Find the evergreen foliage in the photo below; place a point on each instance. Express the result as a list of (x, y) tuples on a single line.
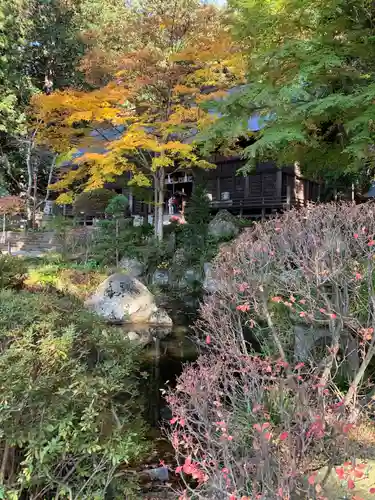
[(198, 209), (69, 393), (310, 81)]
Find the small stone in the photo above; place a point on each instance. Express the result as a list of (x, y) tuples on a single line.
[(134, 337), (132, 267), (158, 474), (161, 277), (210, 285), (160, 317)]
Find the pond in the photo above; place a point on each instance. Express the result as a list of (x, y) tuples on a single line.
[(163, 361)]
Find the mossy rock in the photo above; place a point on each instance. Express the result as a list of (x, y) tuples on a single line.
[(79, 283)]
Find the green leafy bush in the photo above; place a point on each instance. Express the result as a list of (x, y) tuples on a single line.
[(119, 237), (70, 412), (12, 271), (117, 206)]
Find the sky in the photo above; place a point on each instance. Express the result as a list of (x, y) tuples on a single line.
[(217, 2)]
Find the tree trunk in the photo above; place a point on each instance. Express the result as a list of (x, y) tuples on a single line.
[(117, 242), (156, 191), (30, 203), (159, 203), (3, 237)]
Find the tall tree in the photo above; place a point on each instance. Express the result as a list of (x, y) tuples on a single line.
[(182, 56), (311, 81), (55, 43), (41, 46), (15, 87)]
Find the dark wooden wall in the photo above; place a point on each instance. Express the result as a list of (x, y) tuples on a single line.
[(267, 181)]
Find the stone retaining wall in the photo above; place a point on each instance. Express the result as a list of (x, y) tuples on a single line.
[(33, 241)]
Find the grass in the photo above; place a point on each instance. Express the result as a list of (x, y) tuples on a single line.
[(53, 273)]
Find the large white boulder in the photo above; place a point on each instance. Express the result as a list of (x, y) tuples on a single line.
[(122, 298)]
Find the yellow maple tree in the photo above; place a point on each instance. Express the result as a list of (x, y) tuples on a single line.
[(186, 56)]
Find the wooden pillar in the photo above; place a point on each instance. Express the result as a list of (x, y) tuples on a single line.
[(279, 183), (218, 190), (288, 194), (247, 186)]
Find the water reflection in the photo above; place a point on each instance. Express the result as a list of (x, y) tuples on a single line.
[(164, 355)]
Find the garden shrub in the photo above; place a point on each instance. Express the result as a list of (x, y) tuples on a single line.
[(199, 207), (192, 239), (247, 424), (117, 206), (79, 283), (248, 427), (119, 237), (12, 271), (70, 412)]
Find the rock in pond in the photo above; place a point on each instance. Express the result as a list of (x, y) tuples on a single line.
[(123, 299), (161, 277), (145, 334), (210, 284), (132, 267), (223, 225)]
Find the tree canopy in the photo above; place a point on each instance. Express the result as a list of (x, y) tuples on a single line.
[(150, 73), (310, 80), (181, 55)]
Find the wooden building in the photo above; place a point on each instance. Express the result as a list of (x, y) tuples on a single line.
[(266, 191)]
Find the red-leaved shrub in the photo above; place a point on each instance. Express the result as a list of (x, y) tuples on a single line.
[(287, 340)]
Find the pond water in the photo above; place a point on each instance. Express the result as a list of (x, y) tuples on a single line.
[(163, 361)]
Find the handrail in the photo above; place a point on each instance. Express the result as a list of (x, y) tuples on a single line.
[(260, 201)]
